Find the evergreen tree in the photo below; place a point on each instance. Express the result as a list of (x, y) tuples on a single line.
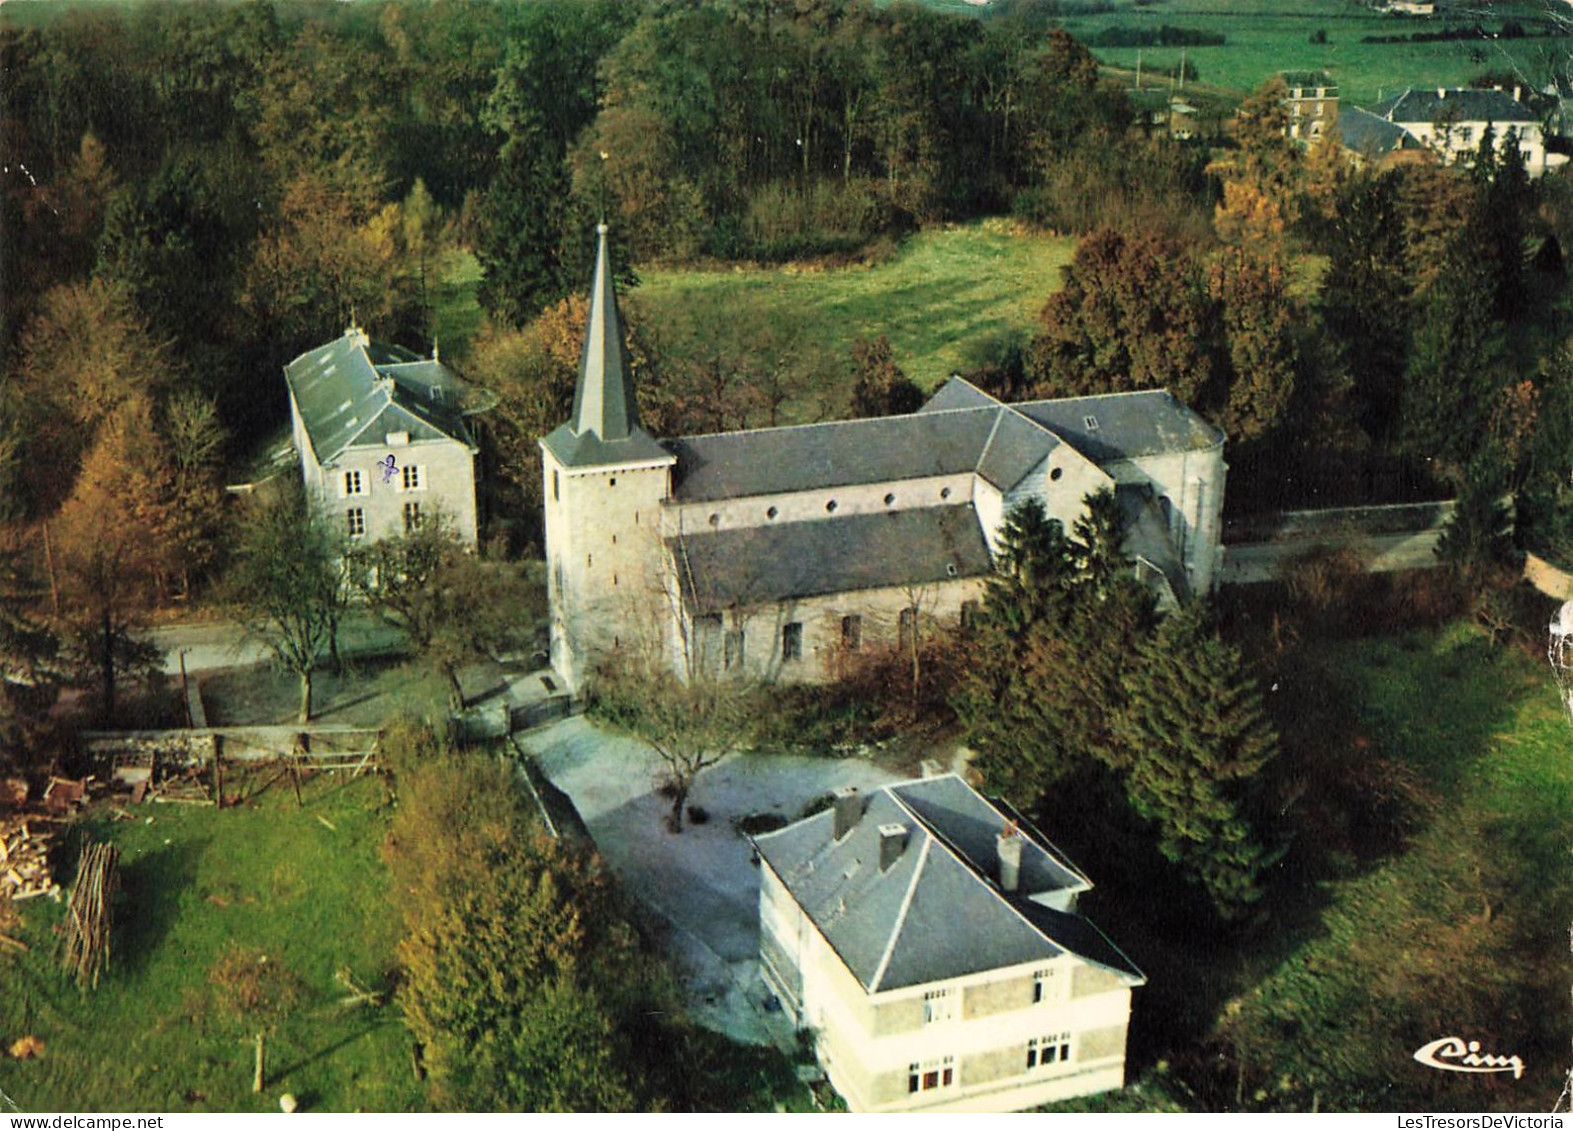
[(1200, 740), (30, 671), (1476, 541), (1365, 298), (879, 387), (522, 242), (1452, 380)]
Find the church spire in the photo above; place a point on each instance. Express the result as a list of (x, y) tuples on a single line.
[(603, 401)]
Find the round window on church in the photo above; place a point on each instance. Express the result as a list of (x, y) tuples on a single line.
[(772, 512), (1056, 473), (831, 506), (715, 520), (889, 499), (944, 492)]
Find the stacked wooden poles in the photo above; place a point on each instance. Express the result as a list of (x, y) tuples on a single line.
[(87, 924)]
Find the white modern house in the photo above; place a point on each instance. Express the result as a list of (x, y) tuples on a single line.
[(1451, 122), (930, 943)]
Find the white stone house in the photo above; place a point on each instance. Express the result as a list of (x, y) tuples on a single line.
[(930, 943), (779, 552), (1451, 122), (382, 439)]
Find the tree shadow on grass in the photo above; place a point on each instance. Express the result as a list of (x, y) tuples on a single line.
[(305, 1060), (149, 902)]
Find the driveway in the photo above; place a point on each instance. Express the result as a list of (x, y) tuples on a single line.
[(702, 881)]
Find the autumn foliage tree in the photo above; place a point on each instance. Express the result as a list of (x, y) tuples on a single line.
[(520, 974), (1134, 313)]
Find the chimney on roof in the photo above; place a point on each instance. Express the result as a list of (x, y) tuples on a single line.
[(1518, 94), (1008, 845), (1441, 92), (892, 842), (847, 807)]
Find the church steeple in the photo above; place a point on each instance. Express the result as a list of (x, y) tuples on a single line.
[(603, 402)]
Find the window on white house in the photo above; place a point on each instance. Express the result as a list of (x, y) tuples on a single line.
[(852, 632), (970, 611), (939, 1006), (412, 517), (733, 656), (353, 484), (791, 641), (1048, 985), (557, 490), (1044, 1051), (414, 480), (926, 1075), (356, 519), (906, 628)]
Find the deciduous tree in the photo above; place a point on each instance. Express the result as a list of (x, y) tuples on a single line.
[(289, 584)]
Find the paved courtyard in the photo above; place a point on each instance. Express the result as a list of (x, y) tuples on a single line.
[(703, 881)]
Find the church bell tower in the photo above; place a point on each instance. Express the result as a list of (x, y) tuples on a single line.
[(605, 480)]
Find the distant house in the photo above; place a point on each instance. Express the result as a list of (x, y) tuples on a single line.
[(932, 946), (1451, 122), (1312, 102), (382, 438)]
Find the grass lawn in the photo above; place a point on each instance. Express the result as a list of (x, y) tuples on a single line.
[(370, 691), (1461, 930), (197, 884), (1264, 38), (945, 290)]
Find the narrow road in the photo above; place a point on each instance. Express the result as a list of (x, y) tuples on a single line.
[(225, 644), (1260, 561)]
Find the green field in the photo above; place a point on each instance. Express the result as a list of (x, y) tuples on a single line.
[(1264, 39), (946, 290), (272, 879)]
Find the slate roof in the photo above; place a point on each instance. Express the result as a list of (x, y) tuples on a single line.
[(1370, 135), (769, 461), (937, 913), (1119, 426), (1460, 105), (604, 428), (354, 388), (836, 554)]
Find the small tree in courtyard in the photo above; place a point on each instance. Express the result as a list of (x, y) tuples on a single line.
[(691, 724), (453, 606), (289, 586)]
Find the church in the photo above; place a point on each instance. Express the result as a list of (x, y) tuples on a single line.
[(781, 553)]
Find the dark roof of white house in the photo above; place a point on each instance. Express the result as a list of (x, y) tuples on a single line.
[(354, 391), (1370, 135), (1434, 105), (937, 912), (784, 561)]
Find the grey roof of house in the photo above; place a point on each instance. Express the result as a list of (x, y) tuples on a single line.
[(836, 554), (1119, 426), (354, 390), (1461, 105), (937, 913), (604, 428), (1368, 134), (769, 461)]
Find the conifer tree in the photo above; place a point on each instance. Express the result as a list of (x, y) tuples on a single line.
[(1199, 739)]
